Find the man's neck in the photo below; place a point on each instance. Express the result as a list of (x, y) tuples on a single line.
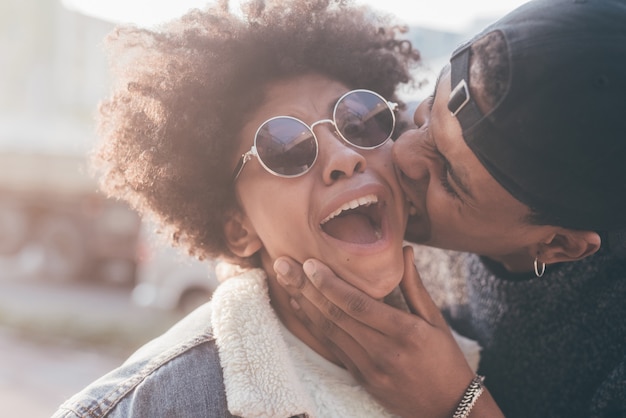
[(515, 263)]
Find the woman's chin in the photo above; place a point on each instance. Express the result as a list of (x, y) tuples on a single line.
[(375, 285)]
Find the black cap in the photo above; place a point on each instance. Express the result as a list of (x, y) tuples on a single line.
[(556, 140)]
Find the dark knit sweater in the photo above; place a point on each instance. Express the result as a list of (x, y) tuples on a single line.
[(553, 346)]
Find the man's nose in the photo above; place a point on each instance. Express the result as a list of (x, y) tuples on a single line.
[(408, 155), (422, 112)]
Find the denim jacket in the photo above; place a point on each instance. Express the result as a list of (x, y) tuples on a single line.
[(176, 375)]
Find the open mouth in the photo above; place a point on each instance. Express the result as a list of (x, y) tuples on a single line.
[(357, 221)]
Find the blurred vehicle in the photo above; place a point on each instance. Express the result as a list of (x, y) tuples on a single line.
[(168, 279), (55, 225)]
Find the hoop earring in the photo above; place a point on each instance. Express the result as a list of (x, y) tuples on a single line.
[(540, 268)]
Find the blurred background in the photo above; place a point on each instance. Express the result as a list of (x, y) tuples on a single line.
[(83, 282)]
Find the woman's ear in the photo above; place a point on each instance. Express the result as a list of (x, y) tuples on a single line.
[(241, 237), (569, 245)]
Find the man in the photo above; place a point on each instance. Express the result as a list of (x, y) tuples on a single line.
[(518, 163)]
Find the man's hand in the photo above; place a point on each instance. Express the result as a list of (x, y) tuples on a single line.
[(409, 362)]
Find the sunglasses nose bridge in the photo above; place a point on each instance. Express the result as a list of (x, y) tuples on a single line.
[(320, 122), (329, 121)]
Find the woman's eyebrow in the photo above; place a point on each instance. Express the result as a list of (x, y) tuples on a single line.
[(331, 106)]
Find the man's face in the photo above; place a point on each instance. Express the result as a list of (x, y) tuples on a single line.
[(460, 206)]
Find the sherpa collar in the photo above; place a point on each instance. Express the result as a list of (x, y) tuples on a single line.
[(263, 376)]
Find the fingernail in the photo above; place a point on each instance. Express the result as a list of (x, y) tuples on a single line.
[(282, 267), (309, 268), (294, 304)]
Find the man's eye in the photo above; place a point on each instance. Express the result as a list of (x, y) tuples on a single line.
[(445, 183), (443, 179)]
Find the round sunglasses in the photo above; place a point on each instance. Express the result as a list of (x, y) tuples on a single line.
[(288, 147)]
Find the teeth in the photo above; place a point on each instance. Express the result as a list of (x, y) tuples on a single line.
[(353, 204)]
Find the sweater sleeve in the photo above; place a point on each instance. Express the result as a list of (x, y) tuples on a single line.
[(610, 398)]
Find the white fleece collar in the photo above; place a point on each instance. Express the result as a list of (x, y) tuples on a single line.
[(263, 375)]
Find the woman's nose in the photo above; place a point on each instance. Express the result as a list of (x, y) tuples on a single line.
[(339, 159)]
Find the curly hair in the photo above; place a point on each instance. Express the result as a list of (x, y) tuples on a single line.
[(489, 71), (184, 90)]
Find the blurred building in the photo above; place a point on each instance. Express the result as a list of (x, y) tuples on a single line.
[(54, 224), (52, 74)]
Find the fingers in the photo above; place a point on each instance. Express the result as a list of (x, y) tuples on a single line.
[(328, 301), (317, 314), (292, 277), (417, 298), (289, 272), (337, 308)]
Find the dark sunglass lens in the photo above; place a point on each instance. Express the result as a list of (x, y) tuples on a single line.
[(364, 119), (286, 146)]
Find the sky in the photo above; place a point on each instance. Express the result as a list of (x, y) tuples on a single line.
[(451, 15)]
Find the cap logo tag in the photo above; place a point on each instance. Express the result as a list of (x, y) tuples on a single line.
[(459, 97)]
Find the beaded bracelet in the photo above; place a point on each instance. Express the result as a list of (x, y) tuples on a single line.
[(471, 395)]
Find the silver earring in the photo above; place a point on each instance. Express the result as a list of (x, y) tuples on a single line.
[(540, 268)]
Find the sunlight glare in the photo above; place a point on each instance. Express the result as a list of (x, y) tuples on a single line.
[(451, 15)]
